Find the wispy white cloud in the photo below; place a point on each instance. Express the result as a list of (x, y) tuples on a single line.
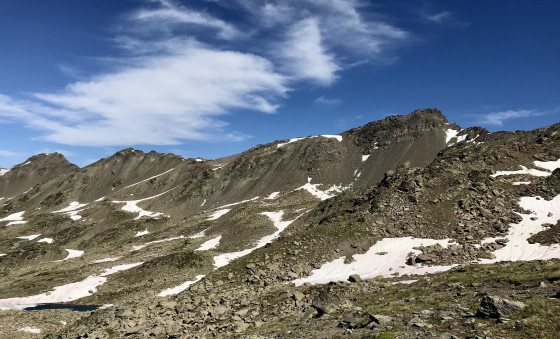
[(158, 100), (304, 56), (172, 87), (327, 101), (498, 118), (170, 13), (342, 24), (444, 18)]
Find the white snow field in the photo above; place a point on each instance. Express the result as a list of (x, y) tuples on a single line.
[(150, 178), (272, 196), (141, 233), (372, 264), (14, 219), (210, 244), (180, 288), (72, 210), (132, 207), (321, 194), (198, 235), (30, 330), (276, 217), (288, 142), (46, 240), (29, 237), (337, 137), (548, 166), (217, 214), (65, 293), (3, 171), (365, 157), (517, 183), (518, 248), (523, 170), (71, 255)]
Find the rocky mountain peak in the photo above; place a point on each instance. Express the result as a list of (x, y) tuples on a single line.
[(37, 169)]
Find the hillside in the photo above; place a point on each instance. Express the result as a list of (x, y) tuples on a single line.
[(396, 228)]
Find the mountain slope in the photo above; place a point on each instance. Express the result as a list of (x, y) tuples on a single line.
[(406, 195)]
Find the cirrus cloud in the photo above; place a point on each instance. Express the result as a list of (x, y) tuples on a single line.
[(176, 86)]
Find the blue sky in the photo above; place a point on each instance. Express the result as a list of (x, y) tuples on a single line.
[(213, 78)]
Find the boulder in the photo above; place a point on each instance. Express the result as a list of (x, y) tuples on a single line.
[(496, 307), (325, 302), (354, 278)]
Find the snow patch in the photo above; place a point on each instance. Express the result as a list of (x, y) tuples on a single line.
[(365, 157), (72, 210), (14, 217), (210, 244), (204, 202), (29, 237), (450, 134), (65, 293), (518, 248), (3, 171), (217, 214), (405, 282), (372, 264), (131, 206), (523, 170), (71, 255), (30, 330), (198, 235), (337, 137), (47, 240), (276, 218), (74, 205), (288, 142), (272, 196), (517, 183), (548, 165), (144, 232), (180, 288), (150, 178), (323, 195), (16, 223), (217, 167)]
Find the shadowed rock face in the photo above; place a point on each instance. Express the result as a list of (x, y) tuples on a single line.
[(234, 231)]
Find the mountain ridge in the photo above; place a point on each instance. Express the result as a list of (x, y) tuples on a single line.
[(228, 241)]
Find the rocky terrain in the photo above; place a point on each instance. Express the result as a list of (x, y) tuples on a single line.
[(408, 227)]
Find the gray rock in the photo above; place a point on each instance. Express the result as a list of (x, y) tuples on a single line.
[(378, 320), (325, 302), (354, 278), (496, 307)]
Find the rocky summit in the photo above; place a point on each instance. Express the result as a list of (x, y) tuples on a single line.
[(408, 227)]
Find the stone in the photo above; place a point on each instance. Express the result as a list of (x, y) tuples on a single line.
[(354, 278), (496, 307), (325, 303), (298, 296), (378, 320)]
